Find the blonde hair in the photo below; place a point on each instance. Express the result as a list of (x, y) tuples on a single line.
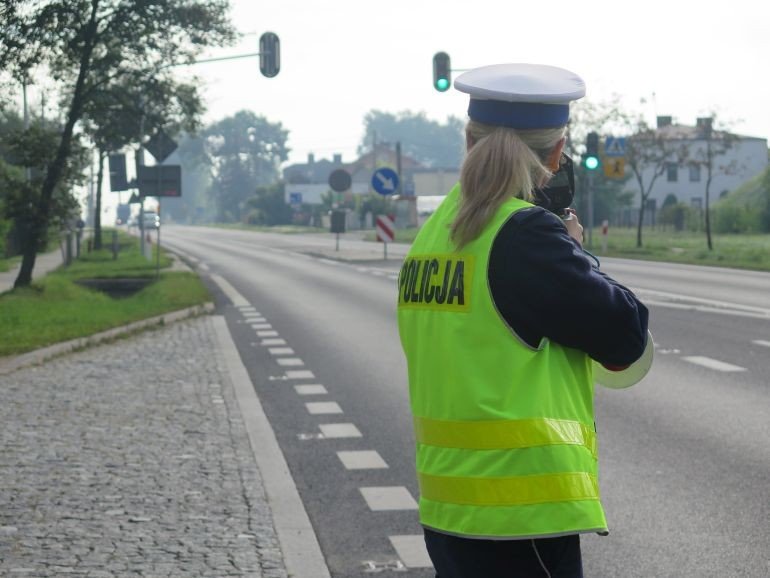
[(501, 163)]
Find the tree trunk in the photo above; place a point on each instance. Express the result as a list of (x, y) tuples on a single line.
[(56, 168), (639, 224), (98, 209), (708, 218)]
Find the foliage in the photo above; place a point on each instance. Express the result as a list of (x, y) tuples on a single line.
[(430, 143), (27, 154), (245, 150), (87, 45), (747, 209), (268, 207)]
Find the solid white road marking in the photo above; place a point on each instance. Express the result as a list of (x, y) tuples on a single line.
[(290, 361), (273, 342), (761, 342), (300, 374), (310, 389), (267, 334), (281, 351), (388, 498), (323, 407), (411, 550), (713, 363), (236, 298), (203, 267), (362, 460), (339, 430)]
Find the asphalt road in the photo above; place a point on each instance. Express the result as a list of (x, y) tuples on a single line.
[(685, 461)]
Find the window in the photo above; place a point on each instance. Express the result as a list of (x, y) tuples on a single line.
[(672, 172), (696, 202), (694, 173)]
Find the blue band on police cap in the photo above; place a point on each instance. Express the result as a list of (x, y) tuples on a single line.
[(523, 115)]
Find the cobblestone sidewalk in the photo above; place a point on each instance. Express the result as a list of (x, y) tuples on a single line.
[(131, 459)]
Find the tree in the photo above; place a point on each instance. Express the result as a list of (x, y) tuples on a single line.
[(718, 142), (245, 149), (27, 154), (87, 44), (121, 112), (430, 143), (648, 154)]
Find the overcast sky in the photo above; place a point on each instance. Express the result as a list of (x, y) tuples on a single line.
[(342, 58)]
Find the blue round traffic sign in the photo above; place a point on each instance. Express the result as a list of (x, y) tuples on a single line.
[(385, 181)]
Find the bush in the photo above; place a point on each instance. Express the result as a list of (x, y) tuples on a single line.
[(735, 219)]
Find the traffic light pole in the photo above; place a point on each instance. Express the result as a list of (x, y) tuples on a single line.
[(590, 222)]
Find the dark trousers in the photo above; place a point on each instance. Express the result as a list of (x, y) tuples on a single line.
[(455, 557)]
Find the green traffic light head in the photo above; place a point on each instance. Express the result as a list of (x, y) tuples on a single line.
[(592, 163), (442, 84)]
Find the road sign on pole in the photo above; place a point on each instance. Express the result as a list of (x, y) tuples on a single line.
[(615, 167), (159, 180), (614, 147), (340, 180), (385, 181), (161, 145), (386, 232)]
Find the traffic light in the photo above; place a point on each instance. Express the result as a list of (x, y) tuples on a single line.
[(269, 54), (591, 160), (442, 72)]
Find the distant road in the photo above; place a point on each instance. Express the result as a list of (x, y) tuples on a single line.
[(685, 459)]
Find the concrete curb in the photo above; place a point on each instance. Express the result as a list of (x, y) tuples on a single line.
[(301, 551), (11, 364)]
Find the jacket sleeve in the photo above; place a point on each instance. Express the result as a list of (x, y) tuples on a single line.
[(544, 285)]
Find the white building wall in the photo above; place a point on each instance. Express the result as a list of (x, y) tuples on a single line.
[(749, 156)]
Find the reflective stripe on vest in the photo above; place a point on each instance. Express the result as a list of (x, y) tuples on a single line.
[(503, 434), (519, 490)]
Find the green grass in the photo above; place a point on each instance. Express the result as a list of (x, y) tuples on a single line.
[(7, 264), (737, 251), (57, 309)]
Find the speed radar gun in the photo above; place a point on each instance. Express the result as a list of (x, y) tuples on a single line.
[(621, 378)]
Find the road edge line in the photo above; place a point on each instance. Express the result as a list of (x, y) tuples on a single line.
[(299, 543)]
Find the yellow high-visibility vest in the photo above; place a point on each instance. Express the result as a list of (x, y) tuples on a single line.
[(506, 443)]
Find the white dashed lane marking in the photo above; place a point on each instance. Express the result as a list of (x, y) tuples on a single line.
[(714, 364), (281, 351), (261, 326), (761, 342), (267, 342), (362, 460), (267, 334), (290, 361), (300, 374), (310, 389), (411, 550), (339, 430), (323, 407), (388, 498)]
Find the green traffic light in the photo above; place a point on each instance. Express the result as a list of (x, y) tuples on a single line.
[(592, 163), (442, 84)]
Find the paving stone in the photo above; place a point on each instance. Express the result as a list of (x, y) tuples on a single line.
[(114, 461)]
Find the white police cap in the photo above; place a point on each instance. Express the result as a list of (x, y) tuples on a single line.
[(523, 96)]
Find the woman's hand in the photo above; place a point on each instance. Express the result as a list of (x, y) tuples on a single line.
[(574, 228)]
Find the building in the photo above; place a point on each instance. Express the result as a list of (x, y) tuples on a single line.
[(685, 179), (307, 182)]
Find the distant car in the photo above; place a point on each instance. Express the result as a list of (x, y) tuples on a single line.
[(151, 220)]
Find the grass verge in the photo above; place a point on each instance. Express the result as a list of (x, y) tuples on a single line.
[(736, 251), (57, 309)]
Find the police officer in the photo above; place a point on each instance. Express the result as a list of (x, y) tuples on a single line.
[(501, 316)]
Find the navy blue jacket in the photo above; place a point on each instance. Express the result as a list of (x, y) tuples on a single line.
[(544, 285)]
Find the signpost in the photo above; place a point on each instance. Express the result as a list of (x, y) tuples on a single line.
[(385, 181), (615, 163), (386, 232)]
